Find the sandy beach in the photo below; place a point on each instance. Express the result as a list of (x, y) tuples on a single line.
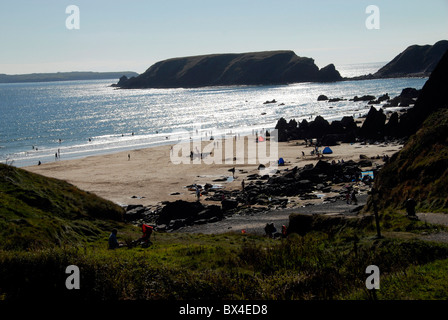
[(150, 176)]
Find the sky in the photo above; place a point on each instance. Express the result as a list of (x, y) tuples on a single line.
[(132, 35)]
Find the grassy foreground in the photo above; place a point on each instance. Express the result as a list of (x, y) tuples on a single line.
[(47, 225), (232, 266)]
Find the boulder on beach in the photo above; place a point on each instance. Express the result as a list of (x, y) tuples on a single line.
[(229, 204), (179, 209)]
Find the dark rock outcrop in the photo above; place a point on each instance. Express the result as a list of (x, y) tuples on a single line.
[(322, 97), (256, 68), (363, 98), (339, 130), (303, 181), (373, 126), (329, 73), (391, 127), (178, 214), (180, 210)]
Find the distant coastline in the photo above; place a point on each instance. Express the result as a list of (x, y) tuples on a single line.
[(63, 76)]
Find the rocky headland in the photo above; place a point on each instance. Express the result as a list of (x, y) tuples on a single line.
[(254, 68), (414, 61)]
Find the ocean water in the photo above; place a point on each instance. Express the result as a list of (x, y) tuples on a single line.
[(359, 69), (82, 118)]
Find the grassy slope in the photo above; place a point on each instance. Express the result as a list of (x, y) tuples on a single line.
[(419, 170), (36, 211)]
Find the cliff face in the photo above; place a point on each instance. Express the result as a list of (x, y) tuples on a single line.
[(420, 169), (414, 61), (431, 98), (257, 68)]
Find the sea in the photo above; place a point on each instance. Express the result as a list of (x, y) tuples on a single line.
[(76, 119)]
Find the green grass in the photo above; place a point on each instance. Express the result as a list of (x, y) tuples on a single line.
[(47, 225), (229, 266), (36, 211), (424, 282), (419, 170)]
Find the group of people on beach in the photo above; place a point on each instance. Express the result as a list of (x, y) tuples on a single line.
[(271, 231)]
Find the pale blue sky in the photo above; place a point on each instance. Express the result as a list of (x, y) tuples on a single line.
[(134, 34)]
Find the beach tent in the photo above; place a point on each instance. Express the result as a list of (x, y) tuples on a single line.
[(367, 173), (281, 162), (327, 150)]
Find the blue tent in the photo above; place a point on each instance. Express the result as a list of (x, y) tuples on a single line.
[(327, 150), (367, 173), (281, 162)]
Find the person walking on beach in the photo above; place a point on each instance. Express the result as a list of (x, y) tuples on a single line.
[(242, 185), (198, 193), (353, 197), (233, 172)]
